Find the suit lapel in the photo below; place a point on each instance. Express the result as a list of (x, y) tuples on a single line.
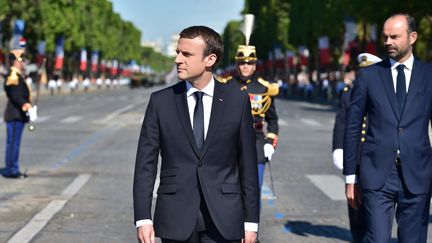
[(183, 112), (414, 84), (387, 80), (216, 114)]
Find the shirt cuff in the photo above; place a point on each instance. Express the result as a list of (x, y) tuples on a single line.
[(142, 222), (251, 227), (350, 179)]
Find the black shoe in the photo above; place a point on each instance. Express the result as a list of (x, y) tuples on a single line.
[(17, 176)]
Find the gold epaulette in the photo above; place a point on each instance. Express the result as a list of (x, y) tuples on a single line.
[(224, 80), (272, 88), (13, 78)]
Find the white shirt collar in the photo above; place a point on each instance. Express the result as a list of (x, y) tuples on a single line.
[(208, 90), (408, 63)]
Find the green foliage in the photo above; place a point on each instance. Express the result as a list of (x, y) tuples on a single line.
[(291, 23), (89, 24), (232, 37), (156, 60)]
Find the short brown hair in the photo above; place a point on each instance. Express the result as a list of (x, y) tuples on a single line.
[(212, 39), (410, 21)]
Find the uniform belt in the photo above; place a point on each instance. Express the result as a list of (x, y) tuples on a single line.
[(258, 125)]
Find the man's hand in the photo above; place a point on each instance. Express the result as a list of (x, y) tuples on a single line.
[(268, 151), (250, 237), (353, 195), (145, 234)]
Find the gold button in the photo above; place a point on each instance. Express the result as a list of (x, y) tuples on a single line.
[(363, 132), (363, 140), (364, 125)]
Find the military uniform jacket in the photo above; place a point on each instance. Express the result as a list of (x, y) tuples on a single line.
[(339, 126), (18, 94), (340, 122), (261, 94)]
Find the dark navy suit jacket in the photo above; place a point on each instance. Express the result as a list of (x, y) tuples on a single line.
[(374, 94), (225, 170)]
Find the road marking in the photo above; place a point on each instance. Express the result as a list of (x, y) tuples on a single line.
[(282, 122), (310, 122), (42, 119), (116, 113), (85, 146), (317, 106), (71, 119), (38, 222), (75, 186), (331, 185)]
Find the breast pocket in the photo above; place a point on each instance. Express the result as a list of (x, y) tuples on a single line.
[(227, 126)]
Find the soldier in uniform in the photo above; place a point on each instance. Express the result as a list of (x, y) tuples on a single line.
[(18, 110), (261, 94), (356, 216)]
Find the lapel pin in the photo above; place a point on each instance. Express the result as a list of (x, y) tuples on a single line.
[(221, 100)]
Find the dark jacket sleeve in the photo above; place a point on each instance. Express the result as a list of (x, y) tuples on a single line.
[(340, 120), (248, 165), (146, 163), (272, 118), (354, 122), (272, 124)]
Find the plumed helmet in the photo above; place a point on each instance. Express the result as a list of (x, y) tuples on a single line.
[(247, 53), (18, 49)]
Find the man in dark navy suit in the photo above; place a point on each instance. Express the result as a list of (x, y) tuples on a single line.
[(396, 159), (203, 131)]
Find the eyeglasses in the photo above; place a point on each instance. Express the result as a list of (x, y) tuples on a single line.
[(246, 63)]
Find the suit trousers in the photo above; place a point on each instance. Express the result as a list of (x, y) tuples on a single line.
[(205, 230), (412, 211)]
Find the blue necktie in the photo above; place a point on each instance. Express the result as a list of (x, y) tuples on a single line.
[(400, 87), (198, 120)]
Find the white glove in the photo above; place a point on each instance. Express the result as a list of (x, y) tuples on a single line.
[(268, 151), (32, 113), (338, 158)]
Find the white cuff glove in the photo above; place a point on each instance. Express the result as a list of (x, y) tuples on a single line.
[(268, 151), (338, 158), (32, 112)]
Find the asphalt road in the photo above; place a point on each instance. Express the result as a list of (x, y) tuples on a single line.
[(81, 158)]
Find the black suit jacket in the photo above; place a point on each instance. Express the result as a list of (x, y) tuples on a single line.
[(18, 94), (374, 94), (225, 169), (340, 120)]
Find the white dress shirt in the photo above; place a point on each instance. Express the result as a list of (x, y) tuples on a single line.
[(207, 104), (351, 179)]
